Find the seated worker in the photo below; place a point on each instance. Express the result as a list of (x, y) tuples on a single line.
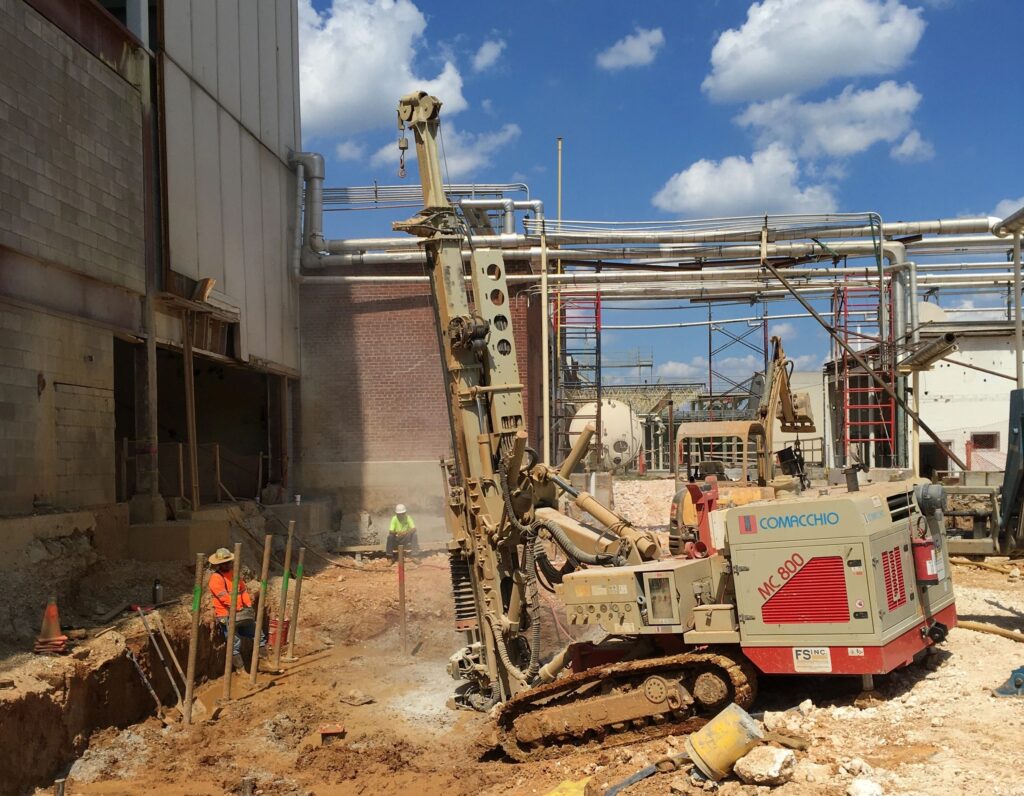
[(220, 596), (402, 531)]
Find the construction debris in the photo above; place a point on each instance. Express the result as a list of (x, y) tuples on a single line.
[(766, 765)]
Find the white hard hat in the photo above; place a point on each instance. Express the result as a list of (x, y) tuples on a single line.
[(400, 508)]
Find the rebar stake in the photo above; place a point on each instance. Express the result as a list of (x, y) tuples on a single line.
[(229, 653), (293, 627), (284, 595), (193, 639), (401, 598), (261, 608)]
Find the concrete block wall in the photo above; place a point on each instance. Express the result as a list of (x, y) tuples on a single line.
[(372, 420), (56, 412), (71, 149)]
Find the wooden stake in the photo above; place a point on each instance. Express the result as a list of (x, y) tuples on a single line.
[(401, 597), (193, 640), (261, 607), (284, 594), (295, 604), (232, 610)]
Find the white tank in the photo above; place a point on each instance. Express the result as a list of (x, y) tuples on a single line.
[(621, 432)]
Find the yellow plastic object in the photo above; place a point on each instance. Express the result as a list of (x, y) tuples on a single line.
[(570, 787), (716, 746)]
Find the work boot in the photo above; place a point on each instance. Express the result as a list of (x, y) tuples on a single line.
[(238, 663)]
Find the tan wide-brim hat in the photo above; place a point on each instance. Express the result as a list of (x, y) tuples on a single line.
[(222, 556)]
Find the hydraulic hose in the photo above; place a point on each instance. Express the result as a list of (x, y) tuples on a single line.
[(570, 548), (531, 540), (506, 661)]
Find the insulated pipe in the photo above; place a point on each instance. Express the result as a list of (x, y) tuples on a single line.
[(296, 258), (915, 378), (347, 253), (1018, 326), (506, 206), (956, 226), (313, 167)]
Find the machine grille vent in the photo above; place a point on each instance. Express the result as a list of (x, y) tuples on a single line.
[(892, 570), (815, 594), (900, 505)]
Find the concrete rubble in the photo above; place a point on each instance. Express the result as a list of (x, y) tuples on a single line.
[(766, 765)]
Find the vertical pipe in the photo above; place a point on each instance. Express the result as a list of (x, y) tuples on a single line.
[(284, 594), (236, 572), (556, 375), (673, 462), (545, 345), (216, 468), (58, 787), (261, 607), (193, 639), (1018, 324), (293, 628), (599, 448), (915, 379), (181, 471), (899, 339), (124, 469), (190, 406), (401, 597)]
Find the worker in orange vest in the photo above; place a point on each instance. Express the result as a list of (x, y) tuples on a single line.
[(220, 596)]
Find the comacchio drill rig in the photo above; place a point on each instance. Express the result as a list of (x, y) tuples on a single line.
[(852, 582)]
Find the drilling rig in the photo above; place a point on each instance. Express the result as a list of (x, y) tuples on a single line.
[(844, 582)]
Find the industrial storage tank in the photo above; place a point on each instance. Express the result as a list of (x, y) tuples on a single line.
[(621, 431)]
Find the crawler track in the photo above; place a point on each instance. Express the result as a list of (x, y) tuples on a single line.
[(589, 687)]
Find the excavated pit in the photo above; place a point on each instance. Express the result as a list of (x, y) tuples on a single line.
[(56, 704)]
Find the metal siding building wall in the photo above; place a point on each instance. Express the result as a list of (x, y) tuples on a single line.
[(231, 119)]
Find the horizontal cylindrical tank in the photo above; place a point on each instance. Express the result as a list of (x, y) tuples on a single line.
[(621, 431)]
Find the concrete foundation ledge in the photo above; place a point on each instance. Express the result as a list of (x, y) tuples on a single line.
[(17, 533), (177, 541)]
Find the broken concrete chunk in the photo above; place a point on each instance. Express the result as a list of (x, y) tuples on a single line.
[(810, 772), (863, 787), (805, 707), (766, 765), (857, 766)]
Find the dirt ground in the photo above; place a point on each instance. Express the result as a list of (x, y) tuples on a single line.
[(932, 729)]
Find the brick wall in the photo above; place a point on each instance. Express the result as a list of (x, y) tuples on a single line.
[(56, 412), (71, 153), (372, 391)]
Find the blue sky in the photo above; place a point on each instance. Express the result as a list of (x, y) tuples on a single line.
[(682, 109)]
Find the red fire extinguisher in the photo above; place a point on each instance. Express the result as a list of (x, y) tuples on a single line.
[(926, 566)]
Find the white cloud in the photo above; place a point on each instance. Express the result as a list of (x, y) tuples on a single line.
[(488, 54), (766, 183), (842, 125), (1007, 207), (808, 361), (464, 153), (356, 60), (673, 370), (349, 150), (969, 310), (487, 105), (913, 149), (784, 330), (636, 49), (789, 46), (737, 369)]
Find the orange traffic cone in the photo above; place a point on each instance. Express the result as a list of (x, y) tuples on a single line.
[(51, 641)]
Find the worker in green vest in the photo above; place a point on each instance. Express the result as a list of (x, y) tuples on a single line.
[(401, 532)]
